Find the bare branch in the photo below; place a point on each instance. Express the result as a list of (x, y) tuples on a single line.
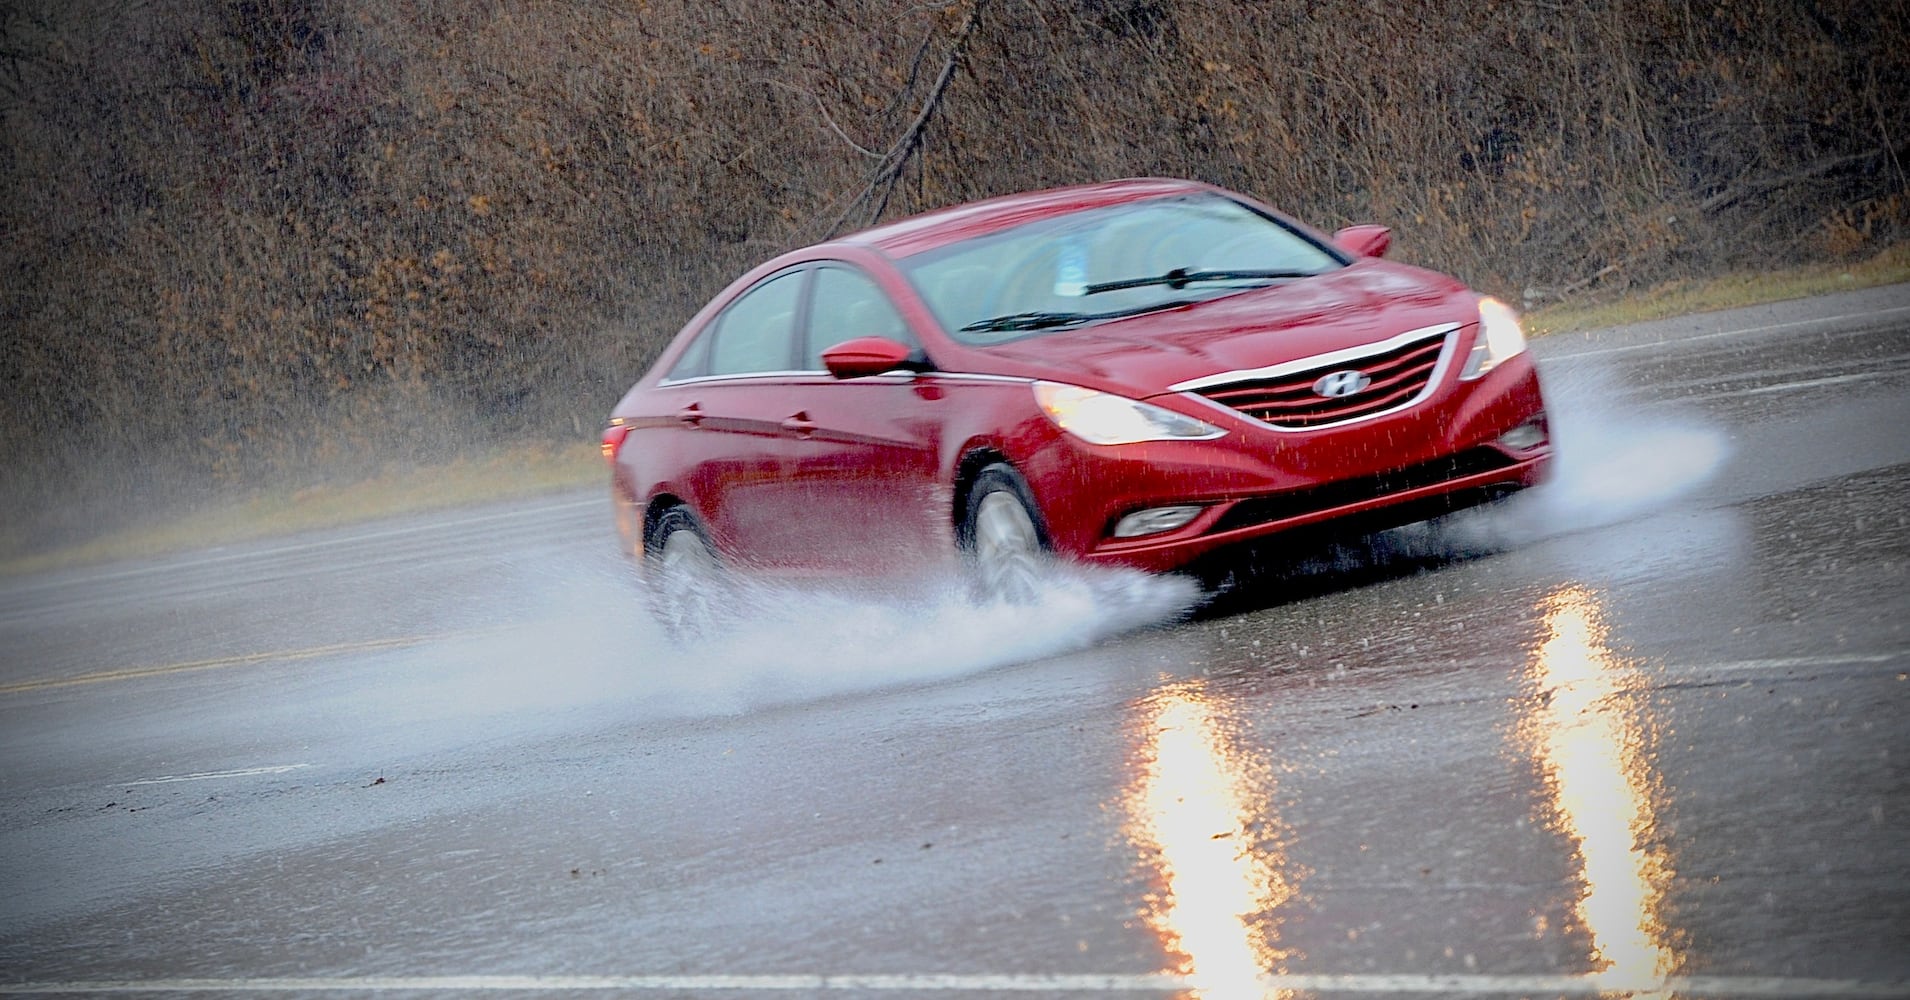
[(915, 72), (1818, 169), (831, 122), (897, 158)]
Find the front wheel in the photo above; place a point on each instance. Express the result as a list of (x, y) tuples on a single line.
[(687, 585), (1002, 538)]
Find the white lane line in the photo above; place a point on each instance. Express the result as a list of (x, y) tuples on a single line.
[(1379, 983), (1671, 669), (418, 529), (215, 557), (244, 772), (1676, 675), (1809, 383), (1789, 663), (1659, 345), (241, 660)]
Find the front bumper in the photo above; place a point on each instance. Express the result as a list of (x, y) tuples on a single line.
[(1474, 443), (1354, 505)]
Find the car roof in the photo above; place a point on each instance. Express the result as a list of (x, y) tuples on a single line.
[(939, 228)]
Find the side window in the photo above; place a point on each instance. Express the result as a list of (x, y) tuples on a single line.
[(847, 304), (696, 359), (755, 333)]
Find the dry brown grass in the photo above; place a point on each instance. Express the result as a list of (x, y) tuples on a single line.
[(1682, 298)]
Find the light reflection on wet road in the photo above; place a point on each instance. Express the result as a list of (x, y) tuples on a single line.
[(1201, 817), (1589, 728), (1643, 736), (1209, 840)]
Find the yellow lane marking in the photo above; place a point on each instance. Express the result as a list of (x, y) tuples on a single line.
[(217, 663)]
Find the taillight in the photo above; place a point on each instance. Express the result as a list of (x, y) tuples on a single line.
[(614, 436)]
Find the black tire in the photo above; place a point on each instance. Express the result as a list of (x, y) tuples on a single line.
[(1003, 540), (684, 580)]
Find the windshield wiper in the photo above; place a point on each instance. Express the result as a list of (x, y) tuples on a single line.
[(1027, 321), (1181, 277)]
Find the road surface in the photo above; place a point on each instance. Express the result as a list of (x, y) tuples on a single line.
[(1641, 730)]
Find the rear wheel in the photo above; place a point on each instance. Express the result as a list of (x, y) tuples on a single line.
[(687, 588), (1002, 537)]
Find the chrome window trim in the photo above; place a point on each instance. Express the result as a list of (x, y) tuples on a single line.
[(977, 377), (729, 377)]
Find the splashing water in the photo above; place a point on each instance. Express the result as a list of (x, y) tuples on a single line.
[(782, 644), (794, 645), (1616, 461)]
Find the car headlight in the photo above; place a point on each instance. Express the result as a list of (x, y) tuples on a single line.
[(1104, 418), (1499, 338)]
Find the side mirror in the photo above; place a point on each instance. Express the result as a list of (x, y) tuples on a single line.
[(1364, 241), (867, 356)]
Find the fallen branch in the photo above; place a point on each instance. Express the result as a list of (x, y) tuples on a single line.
[(1535, 294), (1572, 289), (1725, 198), (897, 158)]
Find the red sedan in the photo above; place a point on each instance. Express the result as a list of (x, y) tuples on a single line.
[(1136, 373)]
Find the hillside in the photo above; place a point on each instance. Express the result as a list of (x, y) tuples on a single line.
[(256, 239)]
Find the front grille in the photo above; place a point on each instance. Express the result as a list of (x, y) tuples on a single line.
[(1400, 376), (1294, 503)]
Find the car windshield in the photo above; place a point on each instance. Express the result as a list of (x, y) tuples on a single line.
[(1106, 263)]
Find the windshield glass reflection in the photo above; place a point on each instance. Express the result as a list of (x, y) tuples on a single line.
[(1118, 260), (1200, 815)]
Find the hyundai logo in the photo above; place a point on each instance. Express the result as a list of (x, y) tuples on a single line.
[(1341, 384)]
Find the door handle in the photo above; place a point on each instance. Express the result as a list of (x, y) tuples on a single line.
[(691, 414), (799, 423)]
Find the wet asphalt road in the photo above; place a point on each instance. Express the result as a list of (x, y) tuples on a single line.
[(1651, 721)]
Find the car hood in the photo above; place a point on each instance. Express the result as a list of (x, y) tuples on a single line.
[(1140, 356)]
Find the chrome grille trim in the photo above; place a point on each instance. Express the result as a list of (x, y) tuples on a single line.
[(1326, 363)]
